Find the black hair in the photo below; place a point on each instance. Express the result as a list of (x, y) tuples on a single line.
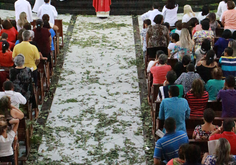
[(39, 24), (158, 53), (186, 60), (5, 46), (27, 26), (147, 22), (8, 85), (230, 81), (175, 36), (234, 35), (212, 17), (206, 45), (192, 154), (170, 4), (158, 19), (178, 24), (167, 25), (229, 51), (155, 5), (46, 1), (228, 124), (171, 77), (209, 115), (210, 57), (192, 22), (226, 34), (4, 36), (190, 67), (182, 150), (170, 124), (205, 10), (46, 25), (6, 24), (205, 24), (13, 22), (174, 91)]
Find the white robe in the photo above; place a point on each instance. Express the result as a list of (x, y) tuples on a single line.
[(23, 6), (37, 5), (48, 9)]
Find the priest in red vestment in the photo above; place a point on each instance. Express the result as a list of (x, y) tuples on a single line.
[(102, 7)]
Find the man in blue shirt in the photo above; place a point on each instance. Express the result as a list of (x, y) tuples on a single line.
[(175, 107), (168, 146)]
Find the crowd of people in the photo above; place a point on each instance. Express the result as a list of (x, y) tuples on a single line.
[(205, 71), (22, 46)]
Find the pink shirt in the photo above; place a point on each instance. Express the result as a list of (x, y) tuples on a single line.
[(159, 73), (229, 18)]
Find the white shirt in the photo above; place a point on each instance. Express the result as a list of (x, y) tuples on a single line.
[(171, 47), (150, 64), (221, 9), (6, 144), (151, 15), (23, 6), (37, 5), (16, 97), (200, 17), (178, 32), (186, 17), (170, 15), (48, 9)]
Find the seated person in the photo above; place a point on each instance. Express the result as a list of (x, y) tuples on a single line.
[(186, 79), (197, 98), (174, 38), (175, 107), (206, 65), (227, 131), (192, 155), (222, 42), (222, 154), (6, 140), (16, 97), (228, 97), (232, 44), (181, 159), (170, 80), (5, 55), (201, 53), (205, 130), (4, 37), (178, 25), (159, 72), (150, 64), (170, 148), (213, 86), (10, 30), (181, 67), (228, 63), (9, 111), (205, 33)]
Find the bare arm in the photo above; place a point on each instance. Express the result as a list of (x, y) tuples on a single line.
[(55, 27), (147, 39), (16, 124), (16, 113)]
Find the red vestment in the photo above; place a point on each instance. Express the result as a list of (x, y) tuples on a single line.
[(102, 5)]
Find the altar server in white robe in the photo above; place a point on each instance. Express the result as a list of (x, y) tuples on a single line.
[(23, 6), (48, 9), (37, 5)]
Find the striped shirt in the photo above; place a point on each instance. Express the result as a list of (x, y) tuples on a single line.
[(197, 105), (228, 65), (168, 145)]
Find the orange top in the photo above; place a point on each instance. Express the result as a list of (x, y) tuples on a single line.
[(6, 59), (229, 18)]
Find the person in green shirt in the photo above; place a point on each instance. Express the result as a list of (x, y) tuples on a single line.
[(214, 85)]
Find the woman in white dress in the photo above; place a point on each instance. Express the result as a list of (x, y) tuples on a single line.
[(188, 14), (169, 12), (222, 8)]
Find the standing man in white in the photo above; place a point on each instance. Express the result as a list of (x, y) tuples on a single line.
[(37, 5), (23, 6), (48, 9), (152, 13)]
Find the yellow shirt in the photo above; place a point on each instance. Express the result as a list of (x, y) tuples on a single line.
[(30, 52)]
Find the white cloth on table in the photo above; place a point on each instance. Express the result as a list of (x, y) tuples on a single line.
[(170, 15), (48, 9), (151, 15), (23, 6), (6, 144), (16, 97), (37, 5)]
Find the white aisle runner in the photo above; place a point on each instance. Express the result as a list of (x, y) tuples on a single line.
[(96, 108)]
